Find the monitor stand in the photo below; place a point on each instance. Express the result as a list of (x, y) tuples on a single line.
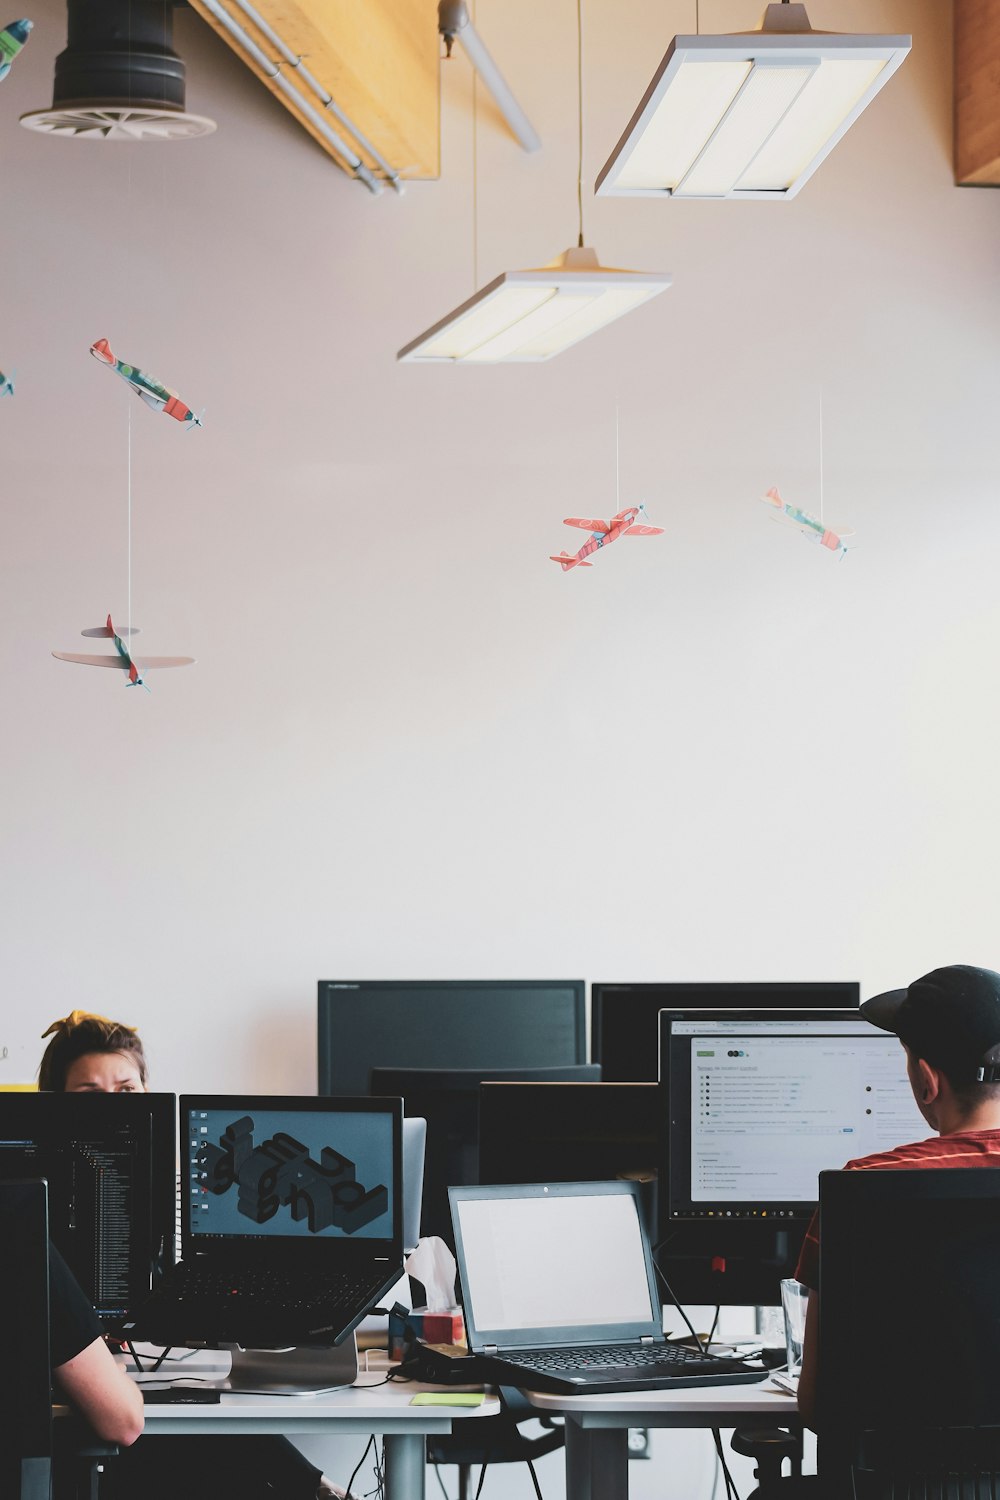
[(292, 1372)]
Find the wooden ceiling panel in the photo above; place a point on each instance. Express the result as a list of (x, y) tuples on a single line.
[(977, 92), (378, 59)]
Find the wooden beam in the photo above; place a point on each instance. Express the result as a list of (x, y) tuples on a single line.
[(378, 59), (977, 92)]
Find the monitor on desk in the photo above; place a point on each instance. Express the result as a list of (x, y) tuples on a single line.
[(571, 1132), (754, 1105), (448, 1099), (110, 1161), (625, 1029), (483, 1023)]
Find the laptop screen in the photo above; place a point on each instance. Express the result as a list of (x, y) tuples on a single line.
[(303, 1170), (566, 1258)]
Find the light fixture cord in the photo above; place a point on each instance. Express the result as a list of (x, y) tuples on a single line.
[(475, 172), (618, 471), (579, 99)]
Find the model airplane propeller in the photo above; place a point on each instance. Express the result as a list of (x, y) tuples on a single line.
[(6, 384), (158, 396), (123, 660), (807, 524), (625, 523)]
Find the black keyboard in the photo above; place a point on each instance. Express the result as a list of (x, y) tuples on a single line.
[(612, 1356), (269, 1289)]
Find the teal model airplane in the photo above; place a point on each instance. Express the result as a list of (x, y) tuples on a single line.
[(12, 39)]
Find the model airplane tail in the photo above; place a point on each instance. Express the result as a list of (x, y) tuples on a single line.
[(566, 562), (773, 498)]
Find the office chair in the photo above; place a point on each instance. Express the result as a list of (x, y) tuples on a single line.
[(25, 1377), (494, 1440), (908, 1400)]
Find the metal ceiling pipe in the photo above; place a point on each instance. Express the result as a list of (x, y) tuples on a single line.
[(119, 54), (273, 71), (455, 24), (328, 102)]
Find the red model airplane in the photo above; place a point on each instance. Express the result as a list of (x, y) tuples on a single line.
[(625, 523)]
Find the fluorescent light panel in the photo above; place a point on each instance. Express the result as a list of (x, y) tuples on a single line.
[(723, 118), (533, 315)]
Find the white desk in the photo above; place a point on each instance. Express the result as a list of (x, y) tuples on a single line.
[(362, 1410), (597, 1426)]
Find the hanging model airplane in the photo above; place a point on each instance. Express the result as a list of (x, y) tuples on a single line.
[(12, 39), (807, 524), (124, 660), (6, 384), (146, 388), (625, 523)]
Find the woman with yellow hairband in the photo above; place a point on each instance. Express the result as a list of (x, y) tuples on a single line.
[(91, 1055)]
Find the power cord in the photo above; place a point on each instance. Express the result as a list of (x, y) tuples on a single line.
[(732, 1493), (369, 1445)]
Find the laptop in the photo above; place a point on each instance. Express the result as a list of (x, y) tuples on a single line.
[(291, 1221), (560, 1295)]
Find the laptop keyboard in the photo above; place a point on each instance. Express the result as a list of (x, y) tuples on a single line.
[(607, 1356), (269, 1289)]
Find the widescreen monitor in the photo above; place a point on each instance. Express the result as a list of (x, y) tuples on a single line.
[(482, 1023), (571, 1132), (625, 1031), (754, 1106), (448, 1099), (110, 1161)]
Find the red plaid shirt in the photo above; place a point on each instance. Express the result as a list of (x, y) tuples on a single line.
[(965, 1148)]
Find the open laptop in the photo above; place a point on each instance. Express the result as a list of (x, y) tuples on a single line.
[(560, 1294), (291, 1223)]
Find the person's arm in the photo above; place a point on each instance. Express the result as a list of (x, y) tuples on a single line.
[(101, 1392), (810, 1363)]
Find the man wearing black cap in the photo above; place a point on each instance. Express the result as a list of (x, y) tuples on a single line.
[(949, 1025)]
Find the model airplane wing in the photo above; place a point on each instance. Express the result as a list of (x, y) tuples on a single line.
[(144, 663), (601, 526), (643, 531), (92, 661)]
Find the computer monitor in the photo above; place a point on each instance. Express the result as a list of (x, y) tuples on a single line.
[(623, 1017), (448, 1099), (483, 1023), (110, 1161), (754, 1106), (571, 1132)]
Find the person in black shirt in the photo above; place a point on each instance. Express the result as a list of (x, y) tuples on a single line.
[(83, 1367)]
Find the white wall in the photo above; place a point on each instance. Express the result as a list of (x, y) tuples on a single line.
[(411, 746)]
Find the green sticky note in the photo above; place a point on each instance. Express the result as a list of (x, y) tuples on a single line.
[(448, 1398)]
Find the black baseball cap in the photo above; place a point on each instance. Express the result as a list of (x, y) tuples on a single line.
[(950, 1017)]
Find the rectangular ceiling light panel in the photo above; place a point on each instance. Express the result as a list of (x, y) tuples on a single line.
[(747, 116), (532, 315)]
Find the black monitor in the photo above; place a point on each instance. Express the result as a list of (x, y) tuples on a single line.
[(481, 1023), (110, 1161), (570, 1132), (623, 1017), (754, 1105), (448, 1099)]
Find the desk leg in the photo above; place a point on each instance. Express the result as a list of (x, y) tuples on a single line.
[(596, 1462), (405, 1461)]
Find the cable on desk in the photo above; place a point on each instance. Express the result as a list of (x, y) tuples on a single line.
[(732, 1492), (350, 1483), (151, 1369), (534, 1478)]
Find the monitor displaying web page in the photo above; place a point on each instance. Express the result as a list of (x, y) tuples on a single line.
[(760, 1105)]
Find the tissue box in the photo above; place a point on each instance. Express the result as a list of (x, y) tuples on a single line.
[(438, 1327)]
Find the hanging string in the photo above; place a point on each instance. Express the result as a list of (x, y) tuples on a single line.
[(697, 17), (618, 479), (821, 457), (129, 519), (579, 99)]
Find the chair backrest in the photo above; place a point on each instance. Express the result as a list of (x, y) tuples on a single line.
[(25, 1378), (909, 1310)]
